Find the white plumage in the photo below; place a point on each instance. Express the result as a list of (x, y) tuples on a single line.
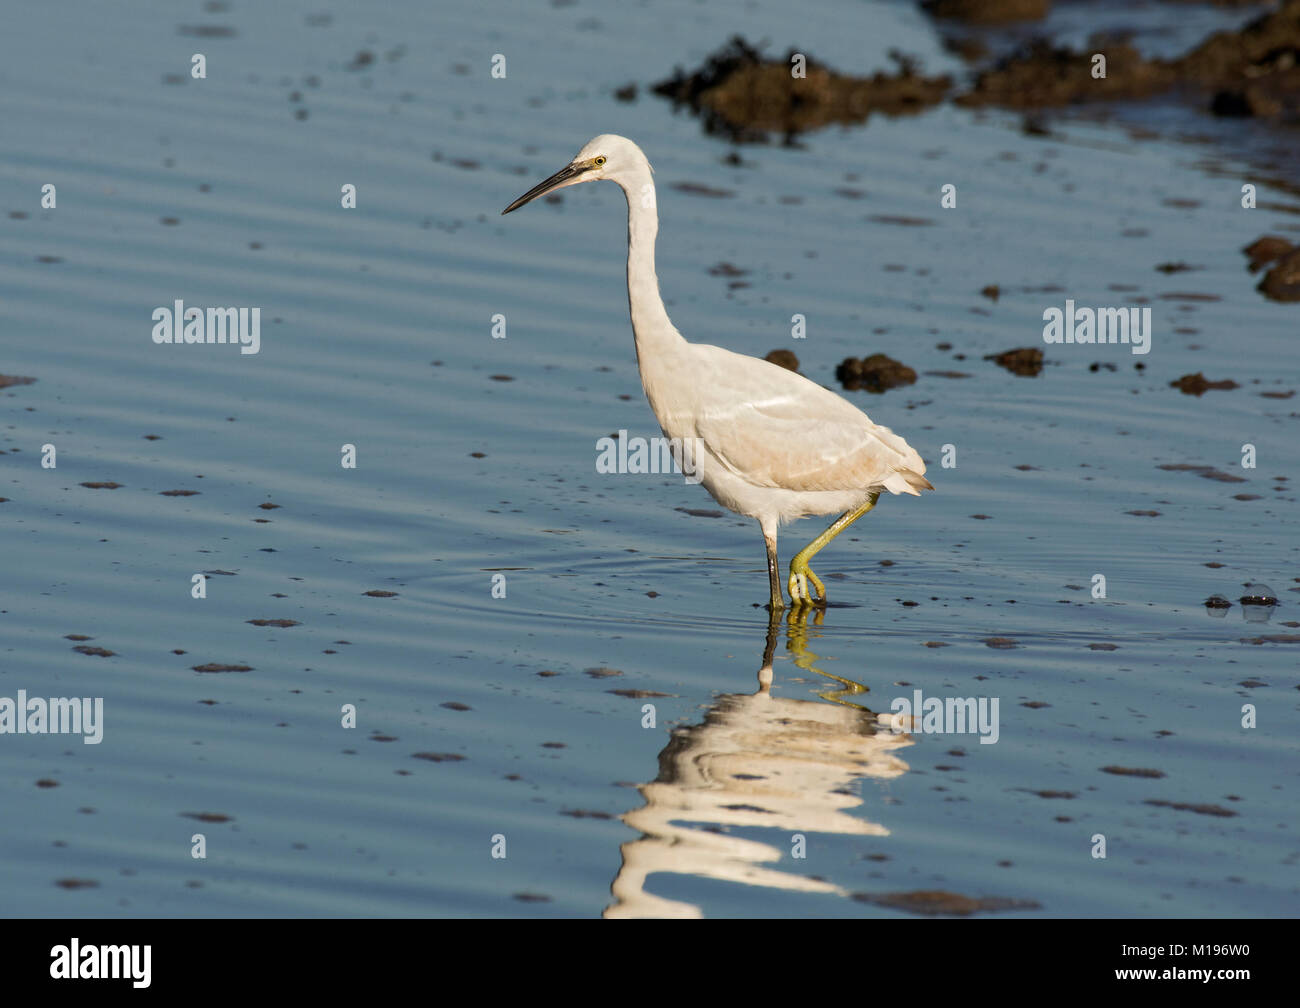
[(776, 446)]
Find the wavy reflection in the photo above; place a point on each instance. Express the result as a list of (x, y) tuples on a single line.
[(755, 760)]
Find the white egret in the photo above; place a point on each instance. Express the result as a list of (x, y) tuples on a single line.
[(770, 444)]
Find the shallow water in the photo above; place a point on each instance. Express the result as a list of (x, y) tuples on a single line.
[(376, 332)]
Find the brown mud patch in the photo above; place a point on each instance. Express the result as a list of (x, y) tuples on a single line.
[(1252, 71), (986, 12), (1132, 771), (1024, 361), (785, 359), (937, 902), (1266, 249), (1197, 384), (1204, 471), (1197, 807), (740, 95), (875, 373), (1282, 282)]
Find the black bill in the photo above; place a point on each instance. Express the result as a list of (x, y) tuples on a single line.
[(559, 178)]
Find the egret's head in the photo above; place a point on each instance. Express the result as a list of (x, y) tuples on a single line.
[(604, 157)]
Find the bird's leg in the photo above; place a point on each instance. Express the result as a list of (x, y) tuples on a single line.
[(801, 573), (773, 634), (776, 602)]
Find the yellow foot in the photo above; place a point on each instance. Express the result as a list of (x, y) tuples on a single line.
[(800, 575)]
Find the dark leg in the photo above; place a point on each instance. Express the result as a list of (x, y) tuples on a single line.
[(776, 601)]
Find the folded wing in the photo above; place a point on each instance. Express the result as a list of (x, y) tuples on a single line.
[(775, 428)]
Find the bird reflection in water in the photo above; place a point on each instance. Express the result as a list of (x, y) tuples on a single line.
[(756, 760)]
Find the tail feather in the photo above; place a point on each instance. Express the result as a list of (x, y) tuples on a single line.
[(917, 480), (904, 481)]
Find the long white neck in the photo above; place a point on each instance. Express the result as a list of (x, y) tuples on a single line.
[(657, 341)]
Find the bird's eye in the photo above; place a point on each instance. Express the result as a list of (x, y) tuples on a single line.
[(600, 161)]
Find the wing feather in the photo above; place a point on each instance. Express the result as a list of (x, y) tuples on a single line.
[(774, 428)]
